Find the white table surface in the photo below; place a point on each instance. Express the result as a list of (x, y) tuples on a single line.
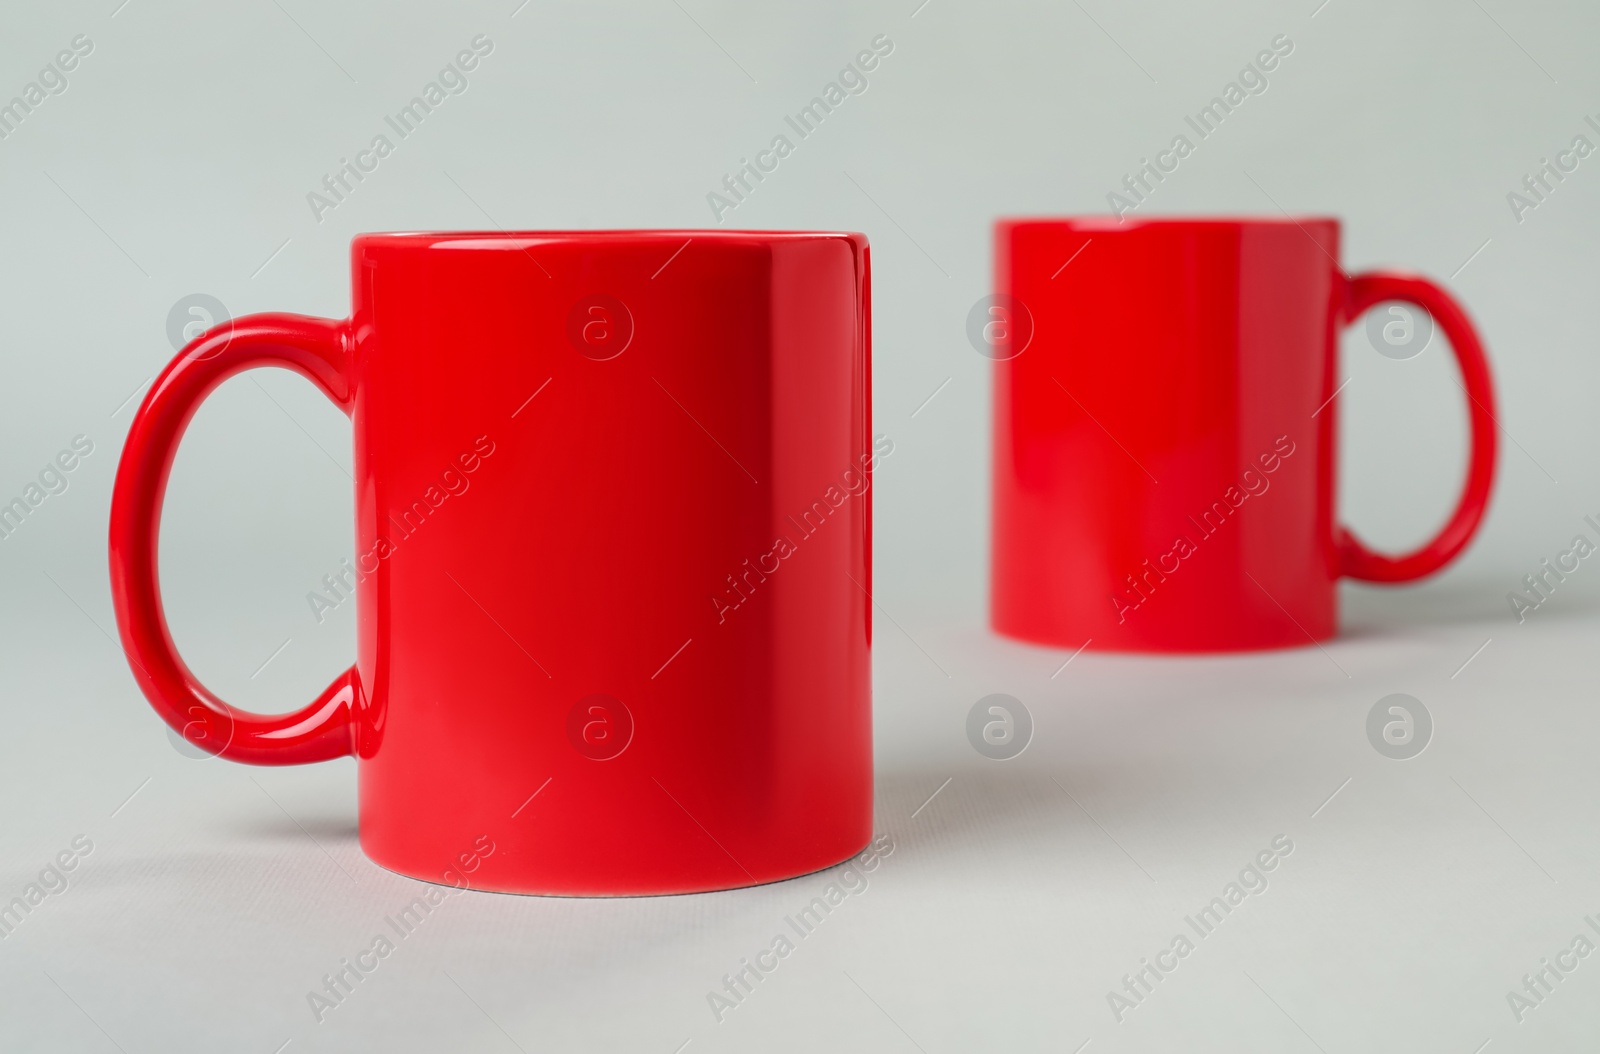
[(1014, 900)]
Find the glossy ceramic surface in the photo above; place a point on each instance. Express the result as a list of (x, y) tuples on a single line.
[(612, 555), (1164, 432)]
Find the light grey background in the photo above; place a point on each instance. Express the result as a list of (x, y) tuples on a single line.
[(178, 160)]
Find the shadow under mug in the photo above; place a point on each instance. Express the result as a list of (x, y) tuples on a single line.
[(612, 555), (1164, 430)]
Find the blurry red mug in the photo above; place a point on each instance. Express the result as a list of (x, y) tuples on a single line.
[(1164, 430), (613, 541)]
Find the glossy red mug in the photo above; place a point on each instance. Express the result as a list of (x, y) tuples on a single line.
[(1164, 430), (613, 554)]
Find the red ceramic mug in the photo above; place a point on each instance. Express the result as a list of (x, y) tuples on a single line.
[(1164, 440), (613, 540)]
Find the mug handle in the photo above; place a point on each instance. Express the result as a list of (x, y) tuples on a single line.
[(1355, 559), (317, 349)]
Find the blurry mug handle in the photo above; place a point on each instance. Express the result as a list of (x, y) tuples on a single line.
[(315, 348), (1356, 560)]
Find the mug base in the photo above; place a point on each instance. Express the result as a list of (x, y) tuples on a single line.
[(601, 888), (1176, 648)]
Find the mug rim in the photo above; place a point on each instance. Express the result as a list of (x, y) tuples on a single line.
[(1103, 223), (422, 238)]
